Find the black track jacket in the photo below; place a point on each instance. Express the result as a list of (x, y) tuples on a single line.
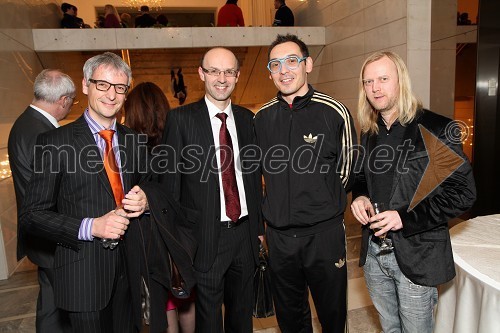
[(307, 161)]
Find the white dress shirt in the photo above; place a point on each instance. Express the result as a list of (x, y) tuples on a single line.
[(47, 115), (231, 127)]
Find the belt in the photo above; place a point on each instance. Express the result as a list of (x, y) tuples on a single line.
[(231, 224)]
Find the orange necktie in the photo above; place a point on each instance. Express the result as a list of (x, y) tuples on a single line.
[(111, 168)]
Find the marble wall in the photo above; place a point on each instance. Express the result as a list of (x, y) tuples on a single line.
[(422, 32)]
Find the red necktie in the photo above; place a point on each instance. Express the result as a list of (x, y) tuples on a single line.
[(231, 196), (111, 168)]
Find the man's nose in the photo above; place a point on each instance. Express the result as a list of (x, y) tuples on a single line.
[(222, 77)]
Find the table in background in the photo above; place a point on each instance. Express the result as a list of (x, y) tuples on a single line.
[(471, 301)]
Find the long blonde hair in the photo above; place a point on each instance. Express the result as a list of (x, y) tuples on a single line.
[(110, 9), (407, 102)]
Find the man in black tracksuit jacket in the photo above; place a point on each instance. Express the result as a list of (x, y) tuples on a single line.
[(306, 138)]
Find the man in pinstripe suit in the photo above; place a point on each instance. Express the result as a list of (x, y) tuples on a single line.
[(227, 246), (70, 202), (306, 139), (54, 94)]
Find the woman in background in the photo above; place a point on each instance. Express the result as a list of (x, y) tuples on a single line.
[(146, 110), (230, 15), (111, 17)]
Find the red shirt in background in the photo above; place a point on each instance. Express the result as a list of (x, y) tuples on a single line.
[(230, 15)]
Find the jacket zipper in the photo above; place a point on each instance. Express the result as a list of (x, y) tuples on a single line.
[(289, 163)]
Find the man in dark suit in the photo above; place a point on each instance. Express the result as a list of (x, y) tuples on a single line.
[(414, 164), (221, 193), (82, 172), (54, 93), (145, 20), (70, 20)]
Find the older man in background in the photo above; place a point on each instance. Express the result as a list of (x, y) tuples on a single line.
[(54, 93)]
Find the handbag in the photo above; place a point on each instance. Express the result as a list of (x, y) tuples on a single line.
[(263, 298), (178, 286)]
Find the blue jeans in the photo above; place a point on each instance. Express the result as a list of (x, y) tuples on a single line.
[(402, 305)]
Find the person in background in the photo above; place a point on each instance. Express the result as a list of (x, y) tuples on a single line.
[(111, 17), (99, 23), (146, 110), (162, 20), (177, 85), (126, 20), (230, 15), (79, 20), (145, 20), (70, 20), (77, 205), (403, 268), (54, 94), (284, 15), (221, 193), (306, 191)]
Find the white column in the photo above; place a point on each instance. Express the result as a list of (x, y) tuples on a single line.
[(419, 47)]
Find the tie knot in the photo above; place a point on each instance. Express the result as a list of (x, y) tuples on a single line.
[(222, 116), (107, 135)]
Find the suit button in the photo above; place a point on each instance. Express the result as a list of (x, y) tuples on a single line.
[(218, 189), (217, 217), (164, 211)]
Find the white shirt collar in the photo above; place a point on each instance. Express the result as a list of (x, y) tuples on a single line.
[(213, 109), (47, 115)]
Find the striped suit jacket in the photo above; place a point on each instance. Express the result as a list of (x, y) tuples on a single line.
[(69, 183)]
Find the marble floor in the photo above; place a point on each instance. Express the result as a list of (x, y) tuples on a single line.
[(18, 303), (18, 296)]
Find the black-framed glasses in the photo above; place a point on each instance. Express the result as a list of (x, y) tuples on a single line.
[(216, 72), (291, 62), (102, 85)]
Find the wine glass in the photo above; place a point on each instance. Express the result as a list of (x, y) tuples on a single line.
[(109, 243), (385, 243)]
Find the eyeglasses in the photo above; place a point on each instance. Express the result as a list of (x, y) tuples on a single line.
[(291, 62), (102, 85), (216, 72)]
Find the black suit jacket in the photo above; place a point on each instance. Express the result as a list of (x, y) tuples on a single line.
[(22, 139), (150, 240), (145, 21), (69, 183), (193, 179), (422, 246)]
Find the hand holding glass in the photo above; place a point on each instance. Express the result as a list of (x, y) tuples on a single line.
[(386, 243), (109, 243)]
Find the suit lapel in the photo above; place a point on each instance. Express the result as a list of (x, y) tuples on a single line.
[(204, 128), (243, 140), (85, 142), (127, 156), (411, 133), (238, 120)]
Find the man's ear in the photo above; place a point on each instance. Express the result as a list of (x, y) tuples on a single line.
[(200, 72), (85, 87), (309, 65)]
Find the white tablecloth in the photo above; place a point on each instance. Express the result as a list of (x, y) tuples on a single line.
[(471, 301)]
